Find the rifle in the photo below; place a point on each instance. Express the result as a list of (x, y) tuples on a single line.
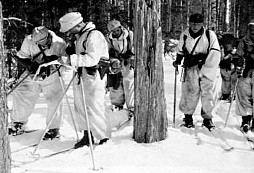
[(192, 60)]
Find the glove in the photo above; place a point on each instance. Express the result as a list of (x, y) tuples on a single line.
[(115, 65), (176, 63), (178, 60), (33, 66), (70, 49)]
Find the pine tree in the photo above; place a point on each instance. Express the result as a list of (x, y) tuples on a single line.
[(5, 159), (150, 119)]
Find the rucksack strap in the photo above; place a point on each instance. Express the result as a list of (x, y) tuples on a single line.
[(185, 38), (87, 35), (207, 33)]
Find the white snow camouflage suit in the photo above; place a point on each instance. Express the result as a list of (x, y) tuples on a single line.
[(244, 90), (124, 94), (89, 51), (27, 93), (204, 83)]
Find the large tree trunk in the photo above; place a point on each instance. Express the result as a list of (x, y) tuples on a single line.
[(150, 122), (5, 158)]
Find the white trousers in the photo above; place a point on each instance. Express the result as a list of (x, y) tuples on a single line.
[(125, 92), (27, 93), (94, 91)]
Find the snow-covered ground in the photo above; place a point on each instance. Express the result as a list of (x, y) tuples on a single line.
[(178, 153)]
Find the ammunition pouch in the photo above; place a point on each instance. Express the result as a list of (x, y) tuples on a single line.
[(193, 60), (91, 70), (102, 67)]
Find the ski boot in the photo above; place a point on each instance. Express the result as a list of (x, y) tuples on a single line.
[(84, 141), (208, 123), (188, 121), (51, 134), (16, 128), (245, 126)]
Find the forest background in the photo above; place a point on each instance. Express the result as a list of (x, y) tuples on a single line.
[(221, 15)]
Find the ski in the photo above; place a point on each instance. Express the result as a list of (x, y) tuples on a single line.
[(24, 148), (120, 126), (197, 137), (215, 133), (24, 132), (192, 131), (221, 140), (31, 131), (249, 140), (29, 146), (42, 157)]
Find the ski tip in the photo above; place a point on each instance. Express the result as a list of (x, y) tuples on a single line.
[(229, 149)]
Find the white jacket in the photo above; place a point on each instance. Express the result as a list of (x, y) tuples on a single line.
[(211, 67), (29, 49), (95, 48)]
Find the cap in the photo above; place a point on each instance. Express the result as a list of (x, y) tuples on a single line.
[(251, 22), (39, 34), (113, 24), (69, 20), (196, 18)]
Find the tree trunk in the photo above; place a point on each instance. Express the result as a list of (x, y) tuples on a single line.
[(150, 120), (5, 158)]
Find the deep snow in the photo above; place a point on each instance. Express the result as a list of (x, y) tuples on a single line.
[(178, 153)]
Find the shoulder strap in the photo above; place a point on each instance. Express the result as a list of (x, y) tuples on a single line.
[(87, 35), (207, 33), (38, 54), (111, 42), (184, 40)]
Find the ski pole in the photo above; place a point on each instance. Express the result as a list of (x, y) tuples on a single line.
[(231, 101), (174, 111), (87, 121), (26, 76), (68, 103), (54, 113)]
